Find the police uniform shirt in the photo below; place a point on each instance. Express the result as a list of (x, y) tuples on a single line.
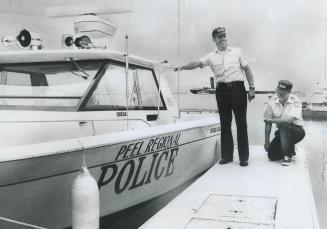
[(291, 108), (226, 65)]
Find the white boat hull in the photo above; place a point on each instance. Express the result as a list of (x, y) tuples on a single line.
[(130, 167)]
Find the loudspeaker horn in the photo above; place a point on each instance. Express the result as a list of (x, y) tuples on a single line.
[(83, 42), (67, 41), (30, 39), (24, 38)]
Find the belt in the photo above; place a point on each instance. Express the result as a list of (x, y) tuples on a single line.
[(230, 84)]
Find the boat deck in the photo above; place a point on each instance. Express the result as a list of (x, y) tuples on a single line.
[(264, 195)]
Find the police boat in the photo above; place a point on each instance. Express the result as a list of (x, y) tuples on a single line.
[(114, 109)]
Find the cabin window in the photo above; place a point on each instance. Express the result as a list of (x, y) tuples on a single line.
[(142, 90), (45, 86)]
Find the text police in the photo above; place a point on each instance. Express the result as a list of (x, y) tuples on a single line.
[(140, 163)]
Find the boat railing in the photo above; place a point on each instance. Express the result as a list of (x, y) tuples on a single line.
[(20, 223), (81, 121)]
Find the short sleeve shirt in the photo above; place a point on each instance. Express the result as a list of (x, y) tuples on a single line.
[(292, 107), (227, 65)]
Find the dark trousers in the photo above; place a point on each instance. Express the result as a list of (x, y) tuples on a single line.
[(284, 141), (232, 98)]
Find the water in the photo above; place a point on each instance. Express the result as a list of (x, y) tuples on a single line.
[(314, 143), (135, 216)]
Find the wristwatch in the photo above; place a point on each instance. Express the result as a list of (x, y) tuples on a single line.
[(252, 87)]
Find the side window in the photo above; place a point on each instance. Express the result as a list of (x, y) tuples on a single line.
[(15, 78), (111, 90), (46, 86)]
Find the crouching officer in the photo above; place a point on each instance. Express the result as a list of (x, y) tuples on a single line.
[(285, 110)]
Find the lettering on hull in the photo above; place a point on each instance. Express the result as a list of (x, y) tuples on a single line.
[(141, 163)]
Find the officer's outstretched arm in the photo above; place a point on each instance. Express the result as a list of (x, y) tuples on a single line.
[(190, 66)]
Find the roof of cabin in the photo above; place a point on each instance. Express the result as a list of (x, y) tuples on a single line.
[(25, 56)]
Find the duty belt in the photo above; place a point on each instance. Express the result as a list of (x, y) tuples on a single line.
[(230, 84)]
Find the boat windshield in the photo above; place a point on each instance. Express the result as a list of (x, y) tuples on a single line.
[(78, 85), (110, 93), (45, 86)]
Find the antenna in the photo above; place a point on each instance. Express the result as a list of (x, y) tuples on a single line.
[(178, 55), (127, 65)]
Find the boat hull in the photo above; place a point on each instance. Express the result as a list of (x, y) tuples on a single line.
[(314, 114), (130, 167)]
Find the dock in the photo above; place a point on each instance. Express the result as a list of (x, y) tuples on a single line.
[(263, 195)]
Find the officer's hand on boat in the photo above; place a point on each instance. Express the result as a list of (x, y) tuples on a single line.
[(180, 68)]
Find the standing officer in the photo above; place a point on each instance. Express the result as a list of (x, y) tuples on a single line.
[(229, 65), (285, 110)]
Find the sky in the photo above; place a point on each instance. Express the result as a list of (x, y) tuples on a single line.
[(283, 39)]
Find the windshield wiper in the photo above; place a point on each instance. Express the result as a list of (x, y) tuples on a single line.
[(85, 76)]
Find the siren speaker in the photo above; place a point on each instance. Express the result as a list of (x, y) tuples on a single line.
[(83, 42), (24, 38), (29, 39), (67, 41)]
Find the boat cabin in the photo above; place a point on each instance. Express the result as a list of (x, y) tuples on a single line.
[(83, 88)]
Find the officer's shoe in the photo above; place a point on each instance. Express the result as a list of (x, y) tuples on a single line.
[(244, 163), (286, 161), (225, 161)]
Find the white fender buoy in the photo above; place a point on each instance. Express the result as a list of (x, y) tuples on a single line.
[(85, 201)]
